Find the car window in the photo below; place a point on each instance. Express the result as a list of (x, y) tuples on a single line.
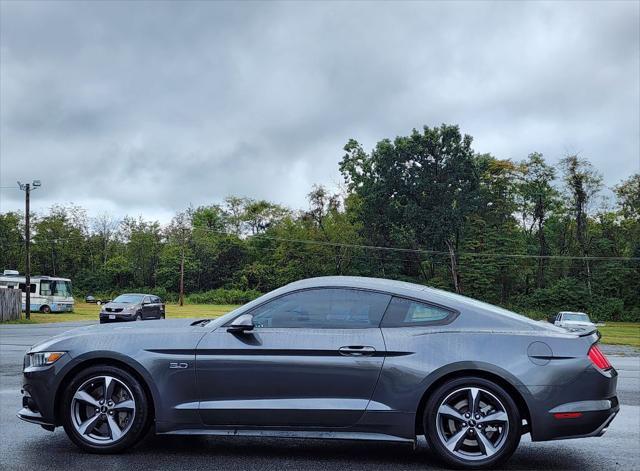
[(23, 287), (323, 308), (45, 288), (575, 317), (405, 313), (156, 300), (146, 300), (128, 298)]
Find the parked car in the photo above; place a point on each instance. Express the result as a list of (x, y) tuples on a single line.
[(90, 299), (575, 321), (333, 357), (133, 307)]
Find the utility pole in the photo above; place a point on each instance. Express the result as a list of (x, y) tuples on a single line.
[(182, 278), (181, 299), (27, 187)]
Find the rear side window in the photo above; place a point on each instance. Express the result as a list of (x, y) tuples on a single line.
[(323, 308), (406, 313), (156, 300)]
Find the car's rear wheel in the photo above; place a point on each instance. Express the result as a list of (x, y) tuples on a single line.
[(105, 410), (472, 423), (45, 309)]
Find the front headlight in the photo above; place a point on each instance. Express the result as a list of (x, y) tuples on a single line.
[(42, 358)]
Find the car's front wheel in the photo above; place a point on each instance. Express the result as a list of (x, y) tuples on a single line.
[(105, 410), (472, 423)]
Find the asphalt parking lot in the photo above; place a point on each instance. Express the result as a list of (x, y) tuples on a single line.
[(28, 447)]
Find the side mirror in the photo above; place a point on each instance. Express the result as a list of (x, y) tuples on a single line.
[(240, 324)]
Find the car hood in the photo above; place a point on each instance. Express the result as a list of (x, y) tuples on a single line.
[(577, 327), (101, 333), (120, 305), (578, 323)]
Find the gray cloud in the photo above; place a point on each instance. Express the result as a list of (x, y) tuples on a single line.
[(143, 108)]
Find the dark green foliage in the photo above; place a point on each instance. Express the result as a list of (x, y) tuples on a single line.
[(223, 296), (460, 216)]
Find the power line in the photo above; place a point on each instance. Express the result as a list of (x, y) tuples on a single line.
[(393, 249), (424, 251)]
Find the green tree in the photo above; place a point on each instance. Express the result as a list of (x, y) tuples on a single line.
[(59, 241), (583, 183), (417, 190), (628, 193), (143, 245), (11, 241), (538, 198)]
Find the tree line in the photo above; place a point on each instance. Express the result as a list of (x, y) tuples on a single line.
[(424, 208)]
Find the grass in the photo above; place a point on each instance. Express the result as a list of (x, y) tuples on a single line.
[(621, 333), (89, 312), (613, 333)]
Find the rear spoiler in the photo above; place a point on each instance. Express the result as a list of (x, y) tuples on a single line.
[(593, 333), (586, 333)]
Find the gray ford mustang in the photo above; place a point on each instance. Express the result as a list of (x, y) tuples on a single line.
[(334, 357)]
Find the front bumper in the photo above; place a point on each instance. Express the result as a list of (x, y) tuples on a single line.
[(38, 393), (30, 411), (117, 317)]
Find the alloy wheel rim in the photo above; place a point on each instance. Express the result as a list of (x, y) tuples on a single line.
[(102, 410), (472, 423)]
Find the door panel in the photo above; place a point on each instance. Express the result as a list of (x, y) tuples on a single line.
[(147, 308), (288, 376)]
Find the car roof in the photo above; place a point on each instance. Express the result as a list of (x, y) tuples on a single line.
[(400, 288), (479, 314)]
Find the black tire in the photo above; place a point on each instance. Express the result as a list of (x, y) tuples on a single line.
[(431, 424), (45, 309), (138, 317), (139, 425)]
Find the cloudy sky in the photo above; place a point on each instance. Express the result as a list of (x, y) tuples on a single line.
[(144, 108)]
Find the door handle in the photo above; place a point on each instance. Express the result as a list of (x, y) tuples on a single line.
[(357, 351)]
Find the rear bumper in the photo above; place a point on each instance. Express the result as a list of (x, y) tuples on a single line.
[(582, 408), (593, 419)]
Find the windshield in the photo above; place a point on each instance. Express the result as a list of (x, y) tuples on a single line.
[(575, 317), (129, 298), (61, 288)]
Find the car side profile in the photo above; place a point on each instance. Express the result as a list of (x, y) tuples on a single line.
[(332, 357), (132, 307)]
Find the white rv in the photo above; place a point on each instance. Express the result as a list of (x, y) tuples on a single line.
[(48, 293)]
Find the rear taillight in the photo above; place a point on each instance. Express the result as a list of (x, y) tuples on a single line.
[(598, 358), (567, 415)]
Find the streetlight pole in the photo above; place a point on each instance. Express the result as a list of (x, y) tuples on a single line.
[(27, 187)]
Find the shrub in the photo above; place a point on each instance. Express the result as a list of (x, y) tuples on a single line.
[(606, 309), (223, 296)]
